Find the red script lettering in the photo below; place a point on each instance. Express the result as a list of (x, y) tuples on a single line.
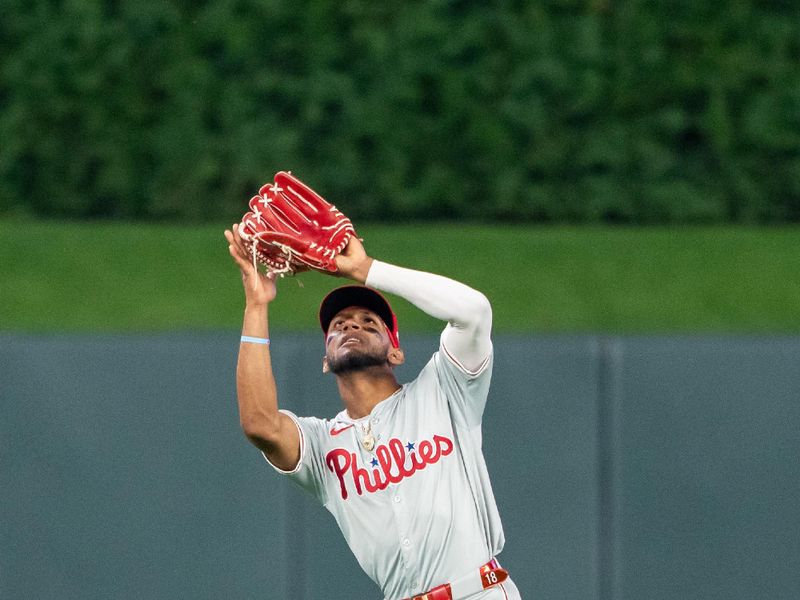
[(392, 460)]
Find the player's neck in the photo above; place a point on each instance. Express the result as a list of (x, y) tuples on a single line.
[(362, 390)]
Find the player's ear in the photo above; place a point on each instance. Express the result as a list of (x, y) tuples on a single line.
[(396, 357), (325, 367)]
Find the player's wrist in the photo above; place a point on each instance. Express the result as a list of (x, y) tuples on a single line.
[(360, 271), (256, 298), (255, 308)]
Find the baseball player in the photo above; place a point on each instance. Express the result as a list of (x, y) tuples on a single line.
[(400, 467)]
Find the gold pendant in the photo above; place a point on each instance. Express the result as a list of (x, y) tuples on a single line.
[(368, 441)]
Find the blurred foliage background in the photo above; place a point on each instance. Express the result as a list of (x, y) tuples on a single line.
[(131, 133), (568, 111)]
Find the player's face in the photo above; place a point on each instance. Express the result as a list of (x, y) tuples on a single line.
[(357, 339)]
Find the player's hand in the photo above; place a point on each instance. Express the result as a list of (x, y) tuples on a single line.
[(259, 288), (353, 262)]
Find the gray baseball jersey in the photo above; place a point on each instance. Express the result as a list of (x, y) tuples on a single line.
[(408, 484)]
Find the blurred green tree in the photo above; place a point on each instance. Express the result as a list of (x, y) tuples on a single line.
[(554, 111)]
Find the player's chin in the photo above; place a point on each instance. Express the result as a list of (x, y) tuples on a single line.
[(353, 360)]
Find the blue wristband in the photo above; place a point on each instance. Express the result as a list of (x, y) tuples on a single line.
[(255, 340)]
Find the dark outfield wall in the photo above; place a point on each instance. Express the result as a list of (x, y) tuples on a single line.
[(656, 468)]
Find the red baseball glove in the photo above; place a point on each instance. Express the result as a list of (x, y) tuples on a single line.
[(291, 228)]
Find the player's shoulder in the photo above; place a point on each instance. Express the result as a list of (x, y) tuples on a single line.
[(429, 377), (309, 424), (430, 371), (444, 364)]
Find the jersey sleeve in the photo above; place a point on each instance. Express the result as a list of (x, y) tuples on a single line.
[(308, 473), (466, 390), (467, 311)]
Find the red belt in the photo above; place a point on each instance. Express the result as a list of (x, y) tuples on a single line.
[(488, 575)]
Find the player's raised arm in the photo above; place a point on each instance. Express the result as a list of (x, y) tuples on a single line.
[(271, 431), (467, 337)]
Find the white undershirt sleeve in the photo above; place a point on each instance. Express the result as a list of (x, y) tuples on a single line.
[(467, 336)]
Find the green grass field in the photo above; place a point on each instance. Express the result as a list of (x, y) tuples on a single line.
[(142, 278)]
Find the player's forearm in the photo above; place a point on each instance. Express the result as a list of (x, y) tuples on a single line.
[(438, 296), (255, 384), (467, 311)]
